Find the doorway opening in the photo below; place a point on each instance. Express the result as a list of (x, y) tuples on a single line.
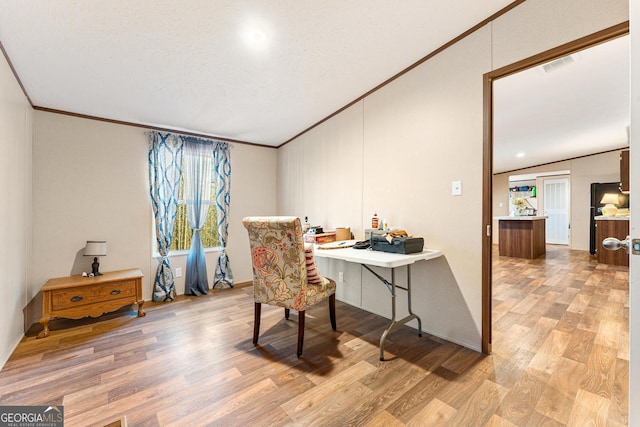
[(488, 158), (556, 209)]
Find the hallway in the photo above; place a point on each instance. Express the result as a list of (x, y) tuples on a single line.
[(562, 320)]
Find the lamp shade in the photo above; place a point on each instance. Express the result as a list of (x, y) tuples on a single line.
[(610, 198), (95, 248)]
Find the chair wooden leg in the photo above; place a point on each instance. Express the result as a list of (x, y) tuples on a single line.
[(286, 313), (300, 332), (256, 322), (332, 310)]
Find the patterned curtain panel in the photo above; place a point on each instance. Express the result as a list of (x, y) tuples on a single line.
[(222, 166), (165, 161), (198, 161)]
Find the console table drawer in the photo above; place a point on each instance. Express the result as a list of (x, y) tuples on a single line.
[(117, 290), (74, 297)]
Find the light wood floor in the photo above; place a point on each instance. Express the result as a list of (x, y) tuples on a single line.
[(560, 357)]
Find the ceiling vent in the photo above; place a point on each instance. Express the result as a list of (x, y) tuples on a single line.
[(558, 63)]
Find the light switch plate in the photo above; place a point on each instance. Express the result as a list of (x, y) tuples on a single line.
[(178, 272), (456, 188)]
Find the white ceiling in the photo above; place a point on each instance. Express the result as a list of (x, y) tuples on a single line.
[(194, 65), (190, 65), (578, 109)]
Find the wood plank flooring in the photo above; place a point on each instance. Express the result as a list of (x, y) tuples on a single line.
[(560, 358)]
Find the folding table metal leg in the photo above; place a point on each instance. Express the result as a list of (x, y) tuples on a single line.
[(393, 313), (394, 324), (409, 301)]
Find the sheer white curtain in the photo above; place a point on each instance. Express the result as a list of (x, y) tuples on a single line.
[(197, 165)]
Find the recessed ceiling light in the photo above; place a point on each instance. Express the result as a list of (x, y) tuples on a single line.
[(520, 154), (257, 36)]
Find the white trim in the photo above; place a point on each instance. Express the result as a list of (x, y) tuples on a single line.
[(532, 176)]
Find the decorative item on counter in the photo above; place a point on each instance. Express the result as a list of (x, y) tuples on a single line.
[(320, 238), (519, 205), (375, 221), (316, 229), (316, 234), (95, 248), (610, 201), (306, 226), (362, 244), (623, 212), (397, 241), (368, 232), (396, 233), (338, 244), (343, 233)]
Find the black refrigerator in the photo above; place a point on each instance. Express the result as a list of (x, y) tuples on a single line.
[(598, 190)]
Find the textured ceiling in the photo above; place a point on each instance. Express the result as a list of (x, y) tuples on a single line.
[(199, 66), (194, 65), (577, 109)]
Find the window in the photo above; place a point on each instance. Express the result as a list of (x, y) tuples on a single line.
[(182, 232)]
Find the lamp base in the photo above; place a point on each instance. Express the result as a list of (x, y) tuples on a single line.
[(609, 210), (95, 266)]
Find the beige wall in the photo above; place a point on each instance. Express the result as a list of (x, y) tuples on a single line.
[(16, 117), (539, 25), (420, 133), (91, 182), (583, 171), (320, 175)]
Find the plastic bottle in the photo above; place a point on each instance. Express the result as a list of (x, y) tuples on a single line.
[(306, 226), (375, 222)]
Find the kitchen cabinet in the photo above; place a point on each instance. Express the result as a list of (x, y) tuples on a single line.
[(521, 236), (617, 227), (624, 170)]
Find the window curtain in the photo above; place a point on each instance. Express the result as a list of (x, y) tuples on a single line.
[(222, 166), (165, 160), (198, 161)]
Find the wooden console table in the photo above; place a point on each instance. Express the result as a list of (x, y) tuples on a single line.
[(76, 297)]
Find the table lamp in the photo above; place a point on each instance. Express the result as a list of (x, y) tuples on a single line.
[(95, 248), (610, 200)]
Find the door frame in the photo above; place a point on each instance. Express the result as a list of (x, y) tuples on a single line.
[(487, 149)]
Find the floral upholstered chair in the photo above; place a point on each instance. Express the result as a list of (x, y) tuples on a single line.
[(284, 272)]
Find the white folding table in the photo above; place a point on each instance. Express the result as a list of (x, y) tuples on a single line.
[(368, 258)]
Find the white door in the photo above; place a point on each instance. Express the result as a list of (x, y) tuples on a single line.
[(556, 207)]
